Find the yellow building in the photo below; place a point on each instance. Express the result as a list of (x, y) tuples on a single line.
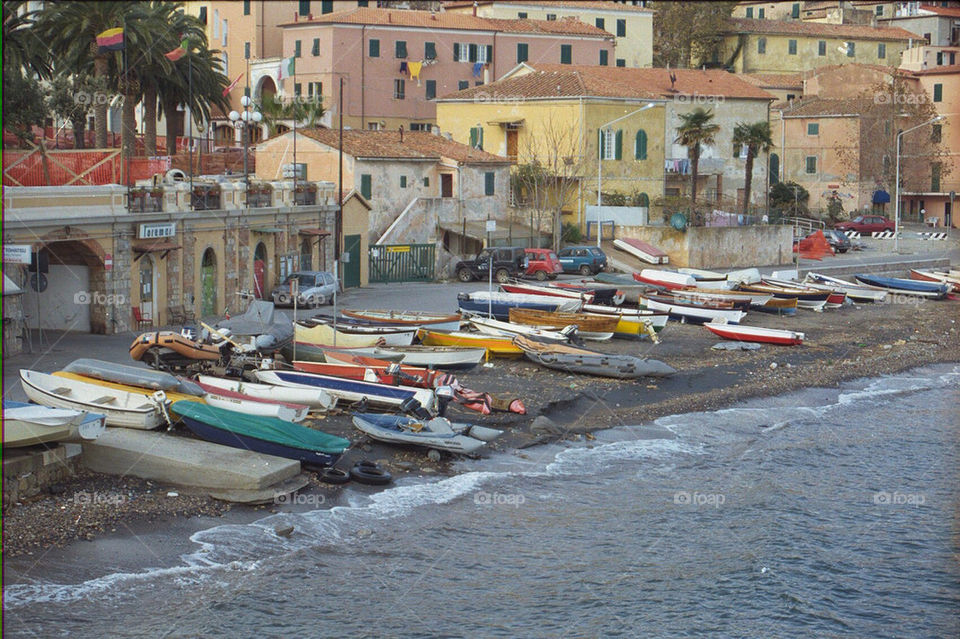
[(632, 25), (837, 11)]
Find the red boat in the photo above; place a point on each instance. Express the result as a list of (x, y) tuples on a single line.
[(392, 374), (533, 289), (755, 334)]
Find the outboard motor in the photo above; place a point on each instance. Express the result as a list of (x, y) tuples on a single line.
[(411, 406), (445, 395)]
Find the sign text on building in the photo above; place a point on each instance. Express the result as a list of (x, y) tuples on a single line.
[(153, 231)]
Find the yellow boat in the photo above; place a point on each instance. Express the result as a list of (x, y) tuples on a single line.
[(171, 395), (496, 346)]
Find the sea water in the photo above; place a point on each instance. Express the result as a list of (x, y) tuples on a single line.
[(820, 513)]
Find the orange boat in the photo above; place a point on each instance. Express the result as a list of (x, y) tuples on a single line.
[(166, 348)]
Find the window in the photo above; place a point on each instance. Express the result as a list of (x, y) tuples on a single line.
[(881, 50), (621, 62), (315, 89), (403, 181), (566, 53), (621, 28), (489, 182), (401, 49), (749, 12), (373, 126), (935, 177), (429, 51), (374, 48), (851, 49), (792, 47), (761, 45), (879, 9), (774, 171), (366, 185), (522, 15), (813, 128), (822, 47), (463, 84), (399, 88), (297, 89), (640, 146), (611, 144), (431, 91), (304, 7), (426, 181), (603, 58), (216, 23), (203, 15), (523, 52), (420, 126), (599, 22), (936, 133), (790, 96), (485, 54), (938, 92), (476, 137), (478, 83), (326, 7), (296, 49), (246, 50), (246, 7), (926, 36), (223, 33), (316, 47), (760, 13), (886, 164), (363, 3), (811, 164), (795, 10), (472, 53), (551, 16)]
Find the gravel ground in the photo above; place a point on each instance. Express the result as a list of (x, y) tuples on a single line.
[(856, 341)]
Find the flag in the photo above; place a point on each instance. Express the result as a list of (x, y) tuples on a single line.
[(179, 52), (110, 40), (232, 86), (287, 67)]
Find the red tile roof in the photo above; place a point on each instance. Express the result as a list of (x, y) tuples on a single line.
[(559, 4), (795, 27), (950, 12), (564, 80), (814, 107), (454, 21), (774, 80), (941, 70), (416, 145)]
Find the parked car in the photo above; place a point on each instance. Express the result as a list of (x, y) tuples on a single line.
[(508, 262), (586, 260), (866, 224), (542, 264), (315, 288)]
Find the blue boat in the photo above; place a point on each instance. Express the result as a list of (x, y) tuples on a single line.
[(899, 286), (352, 390), (268, 435), (499, 304)]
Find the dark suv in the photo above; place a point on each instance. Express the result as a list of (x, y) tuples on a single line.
[(508, 262)]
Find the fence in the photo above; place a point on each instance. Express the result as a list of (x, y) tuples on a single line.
[(64, 168), (402, 262)]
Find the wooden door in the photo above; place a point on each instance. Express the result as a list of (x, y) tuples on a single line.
[(446, 185), (208, 276), (351, 269), (512, 144)]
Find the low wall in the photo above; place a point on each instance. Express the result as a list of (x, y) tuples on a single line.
[(27, 472), (718, 247)]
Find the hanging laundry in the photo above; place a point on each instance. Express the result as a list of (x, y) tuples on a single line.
[(477, 69), (403, 67), (414, 68)]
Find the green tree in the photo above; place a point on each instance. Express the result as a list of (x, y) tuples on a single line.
[(174, 90), (22, 48), (696, 129), (756, 137), (685, 32), (789, 198), (70, 97), (23, 105)]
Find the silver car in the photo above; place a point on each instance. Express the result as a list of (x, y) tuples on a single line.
[(315, 288)]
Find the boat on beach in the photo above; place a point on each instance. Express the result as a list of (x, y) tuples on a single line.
[(436, 321), (632, 323), (317, 332), (509, 329), (166, 349), (32, 424), (808, 298), (754, 333), (496, 345), (523, 288), (443, 357), (835, 299), (856, 292), (666, 279), (642, 250), (500, 303), (597, 328), (573, 359), (899, 286), (132, 376), (232, 400), (386, 373), (313, 397), (931, 276), (352, 390), (438, 432), (697, 313)]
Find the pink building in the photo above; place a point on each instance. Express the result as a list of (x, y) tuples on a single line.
[(394, 62)]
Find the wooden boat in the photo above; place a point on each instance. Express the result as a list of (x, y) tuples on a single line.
[(438, 433), (740, 299), (590, 327), (697, 313), (755, 334), (835, 299), (898, 286), (496, 346), (499, 303), (443, 357), (132, 376), (721, 301), (32, 424), (267, 435), (523, 288), (232, 400), (806, 297), (602, 293), (632, 323), (388, 373), (642, 250), (508, 329), (931, 276), (166, 349), (172, 396), (309, 352), (313, 397), (352, 390), (392, 335), (436, 321), (573, 359), (320, 333), (120, 408), (854, 291), (666, 279)]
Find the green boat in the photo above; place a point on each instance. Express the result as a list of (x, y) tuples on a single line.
[(269, 435)]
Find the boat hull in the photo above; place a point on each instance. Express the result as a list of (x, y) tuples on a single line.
[(390, 429), (695, 314), (496, 346), (756, 334), (351, 390), (898, 286), (314, 398)]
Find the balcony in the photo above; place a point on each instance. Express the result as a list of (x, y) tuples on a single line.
[(145, 201), (259, 196), (206, 197)]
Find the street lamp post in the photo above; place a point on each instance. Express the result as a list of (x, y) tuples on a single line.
[(250, 117), (896, 220), (649, 105)]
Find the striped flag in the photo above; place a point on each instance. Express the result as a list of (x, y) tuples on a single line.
[(179, 52), (232, 86), (110, 40), (288, 67)]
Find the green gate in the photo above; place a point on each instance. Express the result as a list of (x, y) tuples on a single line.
[(351, 269), (402, 262)]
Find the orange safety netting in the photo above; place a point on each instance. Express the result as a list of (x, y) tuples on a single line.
[(814, 247)]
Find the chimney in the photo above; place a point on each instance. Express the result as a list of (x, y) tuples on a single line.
[(475, 5), (401, 134)]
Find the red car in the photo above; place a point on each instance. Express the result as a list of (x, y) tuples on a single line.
[(866, 224), (542, 264)]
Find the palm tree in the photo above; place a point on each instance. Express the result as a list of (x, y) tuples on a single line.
[(696, 130), (22, 48), (757, 139), (274, 111), (174, 90)]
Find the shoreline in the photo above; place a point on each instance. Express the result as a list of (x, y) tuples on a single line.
[(574, 406)]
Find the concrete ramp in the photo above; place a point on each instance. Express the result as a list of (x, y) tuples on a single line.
[(185, 462)]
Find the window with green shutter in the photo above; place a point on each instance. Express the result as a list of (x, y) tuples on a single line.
[(566, 54), (374, 48), (881, 50), (246, 50), (879, 9), (851, 49), (522, 15), (621, 28), (431, 89), (326, 6), (938, 92), (403, 181), (813, 128), (935, 169), (297, 89), (426, 181), (489, 182), (619, 149), (822, 47), (795, 10), (463, 84), (523, 52), (472, 53), (811, 164), (316, 47), (401, 49), (761, 45), (366, 185), (621, 62), (296, 49), (246, 7), (792, 47), (429, 51), (603, 58), (936, 133), (749, 12), (304, 7), (599, 22), (760, 13), (456, 52), (640, 146), (774, 171), (476, 137)]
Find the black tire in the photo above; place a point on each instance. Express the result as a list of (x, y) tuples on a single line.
[(502, 275), (334, 476), (585, 270), (464, 275), (372, 475), (540, 275)]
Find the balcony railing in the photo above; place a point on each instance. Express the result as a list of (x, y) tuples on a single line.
[(206, 197), (259, 196), (305, 195), (141, 201)]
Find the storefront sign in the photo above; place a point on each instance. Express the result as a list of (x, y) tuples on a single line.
[(16, 253), (153, 231)]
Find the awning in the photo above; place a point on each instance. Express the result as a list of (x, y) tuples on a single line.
[(880, 197), (266, 229), (142, 248), (314, 232), (514, 122)]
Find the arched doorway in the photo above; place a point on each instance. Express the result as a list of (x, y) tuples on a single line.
[(282, 128), (265, 86), (306, 255), (208, 283), (259, 270), (74, 295), (148, 284)]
